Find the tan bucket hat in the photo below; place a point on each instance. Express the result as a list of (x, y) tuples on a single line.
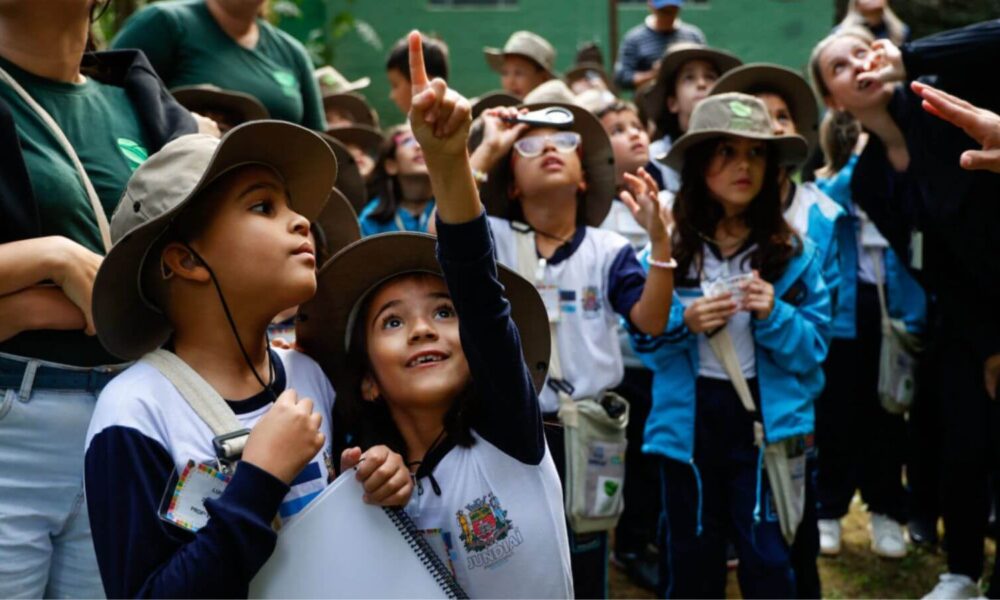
[(527, 44), (738, 115), (199, 98), (331, 81), (354, 105), (492, 100), (128, 324), (349, 178), (673, 59), (598, 166), (552, 91), (587, 70), (791, 86), (366, 137), (324, 323), (339, 224)]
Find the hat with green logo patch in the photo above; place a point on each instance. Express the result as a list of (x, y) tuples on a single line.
[(737, 115), (128, 323), (676, 56), (331, 81)]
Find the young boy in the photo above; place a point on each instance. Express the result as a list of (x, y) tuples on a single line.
[(687, 73), (397, 68), (211, 241), (525, 62)]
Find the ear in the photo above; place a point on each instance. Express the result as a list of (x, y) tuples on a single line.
[(391, 166), (673, 105), (582, 188), (369, 389), (179, 261)]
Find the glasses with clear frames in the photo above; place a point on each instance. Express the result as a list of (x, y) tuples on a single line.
[(533, 145)]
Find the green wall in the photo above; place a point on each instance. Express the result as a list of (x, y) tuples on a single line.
[(781, 31)]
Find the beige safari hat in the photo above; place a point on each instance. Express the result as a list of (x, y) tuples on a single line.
[(791, 86), (331, 81), (325, 322), (738, 115), (527, 44), (128, 324), (492, 100)]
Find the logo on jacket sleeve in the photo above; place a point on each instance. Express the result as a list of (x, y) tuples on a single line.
[(488, 534)]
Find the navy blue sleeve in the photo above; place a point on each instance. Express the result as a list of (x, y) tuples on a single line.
[(626, 280), (508, 415), (628, 62), (962, 56), (140, 555)]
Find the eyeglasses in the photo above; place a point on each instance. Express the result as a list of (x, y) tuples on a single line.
[(533, 146)]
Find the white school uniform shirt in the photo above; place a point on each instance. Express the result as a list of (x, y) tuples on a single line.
[(143, 399), (587, 332), (498, 523)]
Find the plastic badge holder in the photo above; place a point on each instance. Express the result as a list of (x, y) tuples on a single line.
[(717, 287)]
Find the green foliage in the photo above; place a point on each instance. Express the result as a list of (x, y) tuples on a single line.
[(321, 42)]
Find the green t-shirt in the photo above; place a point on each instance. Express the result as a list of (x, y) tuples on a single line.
[(102, 126), (186, 46)]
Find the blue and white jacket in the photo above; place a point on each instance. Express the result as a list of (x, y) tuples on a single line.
[(790, 345), (906, 300)]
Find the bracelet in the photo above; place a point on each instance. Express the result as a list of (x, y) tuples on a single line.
[(670, 264), (479, 176)]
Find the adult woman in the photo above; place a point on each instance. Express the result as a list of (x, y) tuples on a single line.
[(226, 43), (938, 216), (70, 135)]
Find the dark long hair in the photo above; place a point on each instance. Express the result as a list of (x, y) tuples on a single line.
[(384, 186), (697, 214), (370, 421)]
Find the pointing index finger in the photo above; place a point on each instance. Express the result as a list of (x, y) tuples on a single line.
[(418, 73)]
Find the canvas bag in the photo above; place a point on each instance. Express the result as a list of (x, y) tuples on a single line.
[(784, 461), (898, 358), (594, 440)]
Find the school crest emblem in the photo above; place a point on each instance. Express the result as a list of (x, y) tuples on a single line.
[(590, 301), (488, 534)]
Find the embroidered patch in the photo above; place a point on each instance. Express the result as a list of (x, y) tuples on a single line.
[(289, 84), (590, 302), (133, 152), (488, 534)]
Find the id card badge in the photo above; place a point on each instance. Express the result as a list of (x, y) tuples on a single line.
[(183, 501), (550, 296), (917, 250)]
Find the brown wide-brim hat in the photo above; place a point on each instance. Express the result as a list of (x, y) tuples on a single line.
[(366, 137), (339, 224), (525, 44), (205, 97), (353, 104), (490, 100), (128, 324), (325, 323), (792, 87), (738, 115), (349, 178), (598, 166), (673, 59), (588, 69)]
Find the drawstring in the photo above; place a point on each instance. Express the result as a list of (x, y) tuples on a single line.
[(758, 505), (697, 479)]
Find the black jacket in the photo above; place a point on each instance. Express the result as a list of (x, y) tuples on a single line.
[(161, 117)]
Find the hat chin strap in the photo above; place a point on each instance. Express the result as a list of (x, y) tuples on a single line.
[(269, 387)]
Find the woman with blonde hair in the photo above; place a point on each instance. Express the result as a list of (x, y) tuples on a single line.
[(878, 18)]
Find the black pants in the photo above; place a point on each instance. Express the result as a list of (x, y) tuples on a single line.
[(588, 552), (637, 526), (860, 444), (805, 549)]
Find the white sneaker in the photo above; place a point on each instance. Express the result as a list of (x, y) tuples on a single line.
[(829, 537), (887, 537), (954, 587)]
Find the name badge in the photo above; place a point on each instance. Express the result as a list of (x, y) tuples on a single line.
[(917, 250), (183, 501)]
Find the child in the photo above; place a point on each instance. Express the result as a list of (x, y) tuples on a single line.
[(525, 62), (556, 186), (363, 142), (435, 363), (729, 222), (397, 68), (226, 107), (210, 245), (404, 199), (686, 76)]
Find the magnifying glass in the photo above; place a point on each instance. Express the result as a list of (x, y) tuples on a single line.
[(553, 116)]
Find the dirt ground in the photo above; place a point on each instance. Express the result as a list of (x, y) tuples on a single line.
[(856, 573)]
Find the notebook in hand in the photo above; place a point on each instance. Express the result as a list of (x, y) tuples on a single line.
[(340, 547)]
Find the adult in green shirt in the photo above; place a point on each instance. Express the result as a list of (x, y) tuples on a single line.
[(73, 127), (227, 44)]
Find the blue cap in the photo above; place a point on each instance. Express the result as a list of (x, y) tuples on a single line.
[(662, 3)]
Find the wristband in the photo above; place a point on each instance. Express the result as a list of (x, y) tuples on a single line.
[(670, 264), (479, 176)]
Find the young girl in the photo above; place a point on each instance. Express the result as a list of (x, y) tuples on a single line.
[(933, 214), (442, 361), (404, 200), (729, 223), (686, 76), (878, 17)]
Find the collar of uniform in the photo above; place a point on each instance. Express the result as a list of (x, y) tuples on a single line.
[(566, 250), (744, 247), (263, 397)]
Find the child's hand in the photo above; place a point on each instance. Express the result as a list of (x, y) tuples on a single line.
[(386, 478), (758, 296), (286, 438), (439, 116), (499, 135), (709, 314), (642, 198)]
